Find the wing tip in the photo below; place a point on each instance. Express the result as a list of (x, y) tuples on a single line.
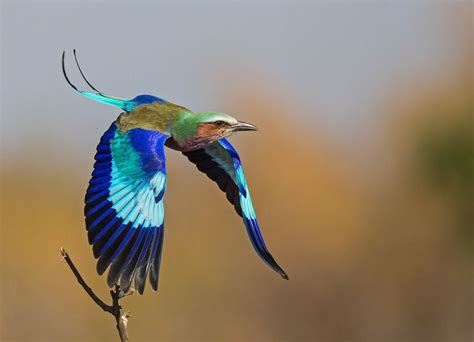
[(284, 275), (154, 284)]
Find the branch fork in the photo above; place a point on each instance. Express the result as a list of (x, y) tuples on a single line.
[(121, 316)]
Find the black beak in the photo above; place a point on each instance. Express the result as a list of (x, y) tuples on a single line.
[(243, 126)]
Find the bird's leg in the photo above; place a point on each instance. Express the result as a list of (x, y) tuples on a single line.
[(120, 293)]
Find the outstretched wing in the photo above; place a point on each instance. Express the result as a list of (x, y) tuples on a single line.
[(221, 163), (124, 206)]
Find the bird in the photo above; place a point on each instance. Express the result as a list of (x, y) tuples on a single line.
[(124, 201)]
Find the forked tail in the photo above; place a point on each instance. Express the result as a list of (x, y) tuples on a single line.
[(97, 95)]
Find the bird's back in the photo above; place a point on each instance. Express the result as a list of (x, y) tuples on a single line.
[(157, 116)]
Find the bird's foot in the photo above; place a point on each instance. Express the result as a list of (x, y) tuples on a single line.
[(121, 293)]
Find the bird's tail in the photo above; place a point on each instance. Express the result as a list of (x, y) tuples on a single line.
[(97, 95)]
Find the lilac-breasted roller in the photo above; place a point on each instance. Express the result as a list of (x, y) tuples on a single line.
[(124, 200)]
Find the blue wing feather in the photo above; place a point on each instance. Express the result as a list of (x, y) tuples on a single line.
[(124, 206), (221, 163)]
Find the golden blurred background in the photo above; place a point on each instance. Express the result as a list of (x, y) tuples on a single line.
[(375, 232)]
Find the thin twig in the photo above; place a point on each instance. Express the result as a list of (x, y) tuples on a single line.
[(121, 316)]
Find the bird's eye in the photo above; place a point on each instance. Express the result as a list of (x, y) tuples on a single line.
[(220, 123)]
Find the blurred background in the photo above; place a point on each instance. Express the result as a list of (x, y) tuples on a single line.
[(361, 172)]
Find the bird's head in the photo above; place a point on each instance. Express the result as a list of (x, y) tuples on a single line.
[(219, 125), (199, 129)]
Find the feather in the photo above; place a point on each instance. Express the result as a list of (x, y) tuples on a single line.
[(124, 205), (221, 163)]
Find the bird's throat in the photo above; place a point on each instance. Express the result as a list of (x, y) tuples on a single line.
[(190, 144)]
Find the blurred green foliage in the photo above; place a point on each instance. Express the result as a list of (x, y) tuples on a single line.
[(446, 152), (445, 159)]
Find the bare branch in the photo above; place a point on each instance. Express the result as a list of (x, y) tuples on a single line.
[(121, 316), (80, 280)]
